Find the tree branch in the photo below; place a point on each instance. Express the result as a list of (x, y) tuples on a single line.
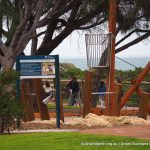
[(48, 47), (2, 46), (74, 11), (34, 44), (92, 25), (146, 35), (49, 33), (21, 26), (38, 14), (129, 34), (55, 13), (1, 58)]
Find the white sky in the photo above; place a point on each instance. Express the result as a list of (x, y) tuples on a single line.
[(74, 47)]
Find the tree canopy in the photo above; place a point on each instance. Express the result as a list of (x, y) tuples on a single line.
[(24, 21)]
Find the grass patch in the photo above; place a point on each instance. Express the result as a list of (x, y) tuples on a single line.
[(53, 106), (69, 141)]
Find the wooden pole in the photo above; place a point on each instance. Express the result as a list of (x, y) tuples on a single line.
[(149, 109), (111, 77), (140, 94), (43, 110), (118, 99), (143, 106), (27, 102), (87, 96)]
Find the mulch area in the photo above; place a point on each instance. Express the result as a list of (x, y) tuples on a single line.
[(38, 126), (135, 131)]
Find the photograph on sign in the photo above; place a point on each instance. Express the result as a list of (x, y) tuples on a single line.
[(48, 68)]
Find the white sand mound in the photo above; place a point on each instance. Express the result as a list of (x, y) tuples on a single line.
[(92, 120), (51, 121), (138, 121)]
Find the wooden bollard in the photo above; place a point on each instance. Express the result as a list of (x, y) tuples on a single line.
[(118, 98), (87, 95), (27, 102), (43, 110), (149, 109)]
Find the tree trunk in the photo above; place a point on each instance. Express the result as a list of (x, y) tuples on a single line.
[(7, 63), (2, 124)]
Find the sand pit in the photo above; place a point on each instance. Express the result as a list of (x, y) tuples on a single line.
[(90, 121)]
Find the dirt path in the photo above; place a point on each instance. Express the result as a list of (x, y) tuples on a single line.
[(142, 132)]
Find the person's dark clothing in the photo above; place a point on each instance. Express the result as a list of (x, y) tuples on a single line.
[(102, 89), (75, 92), (75, 86), (69, 85)]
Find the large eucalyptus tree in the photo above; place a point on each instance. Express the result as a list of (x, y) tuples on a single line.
[(24, 21)]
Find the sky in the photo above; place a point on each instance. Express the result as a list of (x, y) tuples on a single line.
[(74, 47)]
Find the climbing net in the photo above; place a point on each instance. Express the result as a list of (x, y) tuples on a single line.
[(98, 50)]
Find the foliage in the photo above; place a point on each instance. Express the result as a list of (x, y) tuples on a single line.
[(128, 75), (75, 72), (69, 141), (68, 70), (10, 109), (53, 106), (8, 77), (24, 21)]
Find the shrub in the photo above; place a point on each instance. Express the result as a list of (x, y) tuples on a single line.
[(68, 69), (10, 109)]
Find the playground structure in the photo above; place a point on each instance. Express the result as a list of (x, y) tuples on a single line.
[(144, 107), (103, 59), (114, 102)]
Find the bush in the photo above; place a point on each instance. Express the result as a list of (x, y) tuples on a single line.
[(68, 69), (10, 109)]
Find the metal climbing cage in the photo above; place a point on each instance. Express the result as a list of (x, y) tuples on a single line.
[(98, 50)]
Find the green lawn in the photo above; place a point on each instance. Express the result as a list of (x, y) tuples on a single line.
[(69, 141), (52, 106)]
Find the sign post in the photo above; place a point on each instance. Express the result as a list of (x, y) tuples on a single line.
[(32, 67)]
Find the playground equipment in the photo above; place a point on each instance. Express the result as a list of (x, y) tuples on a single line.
[(144, 104), (106, 59), (98, 48), (102, 56), (136, 84)]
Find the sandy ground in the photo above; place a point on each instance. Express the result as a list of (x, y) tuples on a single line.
[(90, 121), (92, 124)]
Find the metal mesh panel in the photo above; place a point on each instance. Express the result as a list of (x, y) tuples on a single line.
[(98, 49)]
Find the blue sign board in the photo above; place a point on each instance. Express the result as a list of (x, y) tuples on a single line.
[(31, 67), (36, 67)]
